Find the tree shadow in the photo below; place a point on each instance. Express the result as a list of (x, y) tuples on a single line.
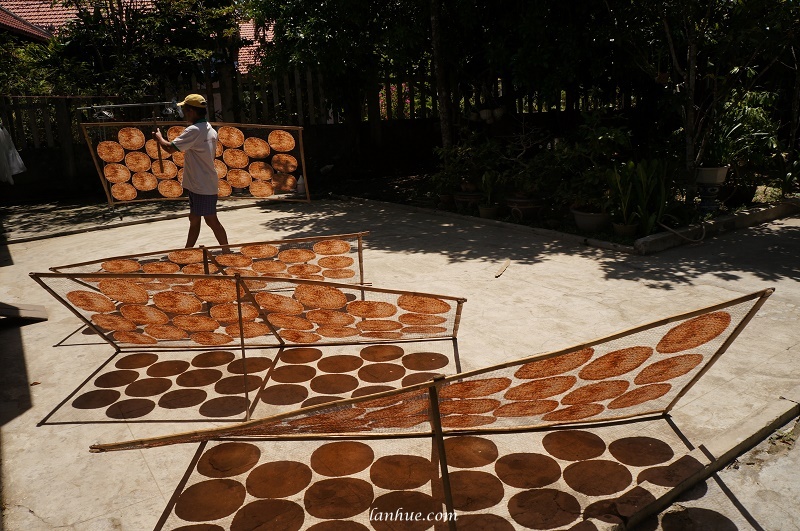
[(396, 228), (768, 252)]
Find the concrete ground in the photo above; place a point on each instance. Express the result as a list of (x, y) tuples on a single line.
[(554, 293)]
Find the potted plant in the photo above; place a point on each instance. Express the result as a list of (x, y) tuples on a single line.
[(443, 185), (490, 183), (748, 136), (589, 158), (624, 219)]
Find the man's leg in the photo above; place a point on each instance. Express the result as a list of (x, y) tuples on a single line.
[(194, 230), (219, 231)]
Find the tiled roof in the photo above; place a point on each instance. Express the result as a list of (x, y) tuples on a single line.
[(51, 18), (11, 22), (247, 53), (40, 13)]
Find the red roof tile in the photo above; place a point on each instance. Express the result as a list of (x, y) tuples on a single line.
[(50, 18), (247, 53), (40, 13), (11, 22)]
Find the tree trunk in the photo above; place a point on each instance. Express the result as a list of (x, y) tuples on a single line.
[(441, 75)]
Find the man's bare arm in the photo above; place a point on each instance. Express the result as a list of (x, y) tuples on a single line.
[(165, 145)]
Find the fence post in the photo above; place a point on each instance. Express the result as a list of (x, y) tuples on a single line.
[(322, 106), (312, 119), (374, 116), (48, 127), (298, 92), (64, 128), (33, 121), (287, 97), (276, 101), (16, 110)]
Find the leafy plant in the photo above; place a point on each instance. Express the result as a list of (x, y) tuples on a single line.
[(745, 137), (586, 161), (622, 179), (652, 193)]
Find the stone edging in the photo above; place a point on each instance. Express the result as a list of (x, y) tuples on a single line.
[(696, 233)]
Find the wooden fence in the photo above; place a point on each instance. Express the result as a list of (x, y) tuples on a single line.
[(293, 99)]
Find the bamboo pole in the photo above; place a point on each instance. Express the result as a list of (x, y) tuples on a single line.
[(282, 242), (303, 163), (239, 284), (436, 423), (727, 343)]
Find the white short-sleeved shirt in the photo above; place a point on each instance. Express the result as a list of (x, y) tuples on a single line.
[(198, 143)]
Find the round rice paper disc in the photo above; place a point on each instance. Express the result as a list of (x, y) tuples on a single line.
[(239, 178), (235, 158), (281, 140), (137, 161), (224, 188), (110, 151), (123, 192), (261, 189), (174, 132), (177, 158), (261, 171), (151, 147), (170, 169), (131, 138), (231, 137), (144, 181), (170, 189), (222, 169), (116, 173), (284, 163), (256, 147), (284, 182)]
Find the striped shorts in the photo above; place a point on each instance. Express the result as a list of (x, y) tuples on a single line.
[(202, 205)]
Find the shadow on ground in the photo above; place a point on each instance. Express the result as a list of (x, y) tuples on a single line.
[(727, 257)]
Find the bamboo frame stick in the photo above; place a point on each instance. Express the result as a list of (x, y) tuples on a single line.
[(727, 343), (277, 280), (86, 321), (436, 424), (263, 315), (103, 181), (361, 256), (241, 342), (239, 245), (303, 162), (116, 125), (225, 431), (617, 335)]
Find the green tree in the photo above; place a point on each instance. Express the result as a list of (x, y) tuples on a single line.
[(135, 51), (703, 54)]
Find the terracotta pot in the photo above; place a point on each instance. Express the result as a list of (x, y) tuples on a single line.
[(488, 211), (625, 231), (591, 221), (523, 208), (446, 201), (711, 175)]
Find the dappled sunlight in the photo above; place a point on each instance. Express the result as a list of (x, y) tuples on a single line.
[(766, 253), (395, 228)]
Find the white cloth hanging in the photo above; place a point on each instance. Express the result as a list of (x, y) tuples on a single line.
[(10, 161)]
